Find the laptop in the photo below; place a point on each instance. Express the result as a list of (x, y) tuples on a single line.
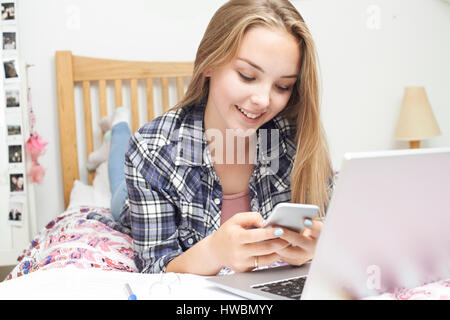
[(387, 227)]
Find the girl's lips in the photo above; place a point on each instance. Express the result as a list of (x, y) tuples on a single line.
[(249, 115)]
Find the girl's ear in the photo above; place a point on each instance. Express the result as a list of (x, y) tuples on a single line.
[(207, 73)]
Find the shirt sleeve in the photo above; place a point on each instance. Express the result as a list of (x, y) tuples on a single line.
[(151, 207)]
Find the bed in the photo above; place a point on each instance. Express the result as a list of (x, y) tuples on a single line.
[(74, 239), (148, 89)]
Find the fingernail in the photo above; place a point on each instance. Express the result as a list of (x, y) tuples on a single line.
[(278, 232), (308, 223)]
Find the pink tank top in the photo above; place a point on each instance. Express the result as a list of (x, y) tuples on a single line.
[(234, 203)]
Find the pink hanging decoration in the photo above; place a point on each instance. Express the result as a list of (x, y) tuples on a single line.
[(35, 147)]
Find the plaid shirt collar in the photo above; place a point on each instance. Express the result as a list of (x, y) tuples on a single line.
[(191, 136)]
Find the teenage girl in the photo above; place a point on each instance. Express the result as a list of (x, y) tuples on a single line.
[(201, 178)]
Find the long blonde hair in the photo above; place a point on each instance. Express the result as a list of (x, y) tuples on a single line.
[(311, 171)]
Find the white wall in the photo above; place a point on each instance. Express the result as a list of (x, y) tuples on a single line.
[(368, 50)]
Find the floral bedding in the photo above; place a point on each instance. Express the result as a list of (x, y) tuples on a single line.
[(439, 290), (72, 238)]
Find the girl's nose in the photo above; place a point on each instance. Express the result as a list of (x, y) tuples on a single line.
[(261, 98)]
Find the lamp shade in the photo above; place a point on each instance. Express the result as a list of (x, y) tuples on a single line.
[(416, 120)]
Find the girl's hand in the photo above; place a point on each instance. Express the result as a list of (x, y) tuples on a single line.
[(303, 243), (241, 240)]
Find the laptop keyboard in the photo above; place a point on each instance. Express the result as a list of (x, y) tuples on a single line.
[(291, 288)]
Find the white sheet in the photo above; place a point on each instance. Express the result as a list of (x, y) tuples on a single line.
[(74, 283)]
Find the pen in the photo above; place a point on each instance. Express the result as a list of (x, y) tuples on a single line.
[(131, 295)]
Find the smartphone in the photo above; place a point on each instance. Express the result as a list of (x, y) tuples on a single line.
[(291, 215)]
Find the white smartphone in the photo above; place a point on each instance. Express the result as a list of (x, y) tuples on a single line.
[(291, 215)]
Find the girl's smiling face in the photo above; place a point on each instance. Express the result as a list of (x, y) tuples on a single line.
[(256, 84)]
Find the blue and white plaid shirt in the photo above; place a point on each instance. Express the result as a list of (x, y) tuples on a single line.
[(174, 195)]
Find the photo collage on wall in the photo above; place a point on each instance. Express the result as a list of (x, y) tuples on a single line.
[(13, 112)]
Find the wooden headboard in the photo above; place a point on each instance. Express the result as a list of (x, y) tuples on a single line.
[(74, 70)]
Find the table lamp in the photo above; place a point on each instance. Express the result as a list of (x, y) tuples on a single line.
[(416, 120)]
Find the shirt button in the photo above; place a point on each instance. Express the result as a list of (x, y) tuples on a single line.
[(190, 241), (217, 201)]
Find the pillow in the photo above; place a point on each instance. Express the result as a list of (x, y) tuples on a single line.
[(97, 195), (81, 195), (102, 194)]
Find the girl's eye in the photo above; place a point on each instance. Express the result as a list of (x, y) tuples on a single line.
[(245, 77), (281, 88), (248, 79)]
